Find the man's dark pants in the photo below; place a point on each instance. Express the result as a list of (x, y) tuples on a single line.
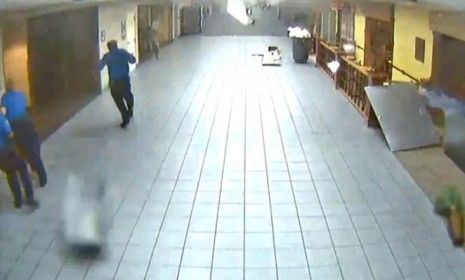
[(122, 95), (27, 140), (12, 164)]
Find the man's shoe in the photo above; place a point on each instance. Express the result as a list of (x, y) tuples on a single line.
[(124, 123), (17, 204), (42, 181), (32, 203)]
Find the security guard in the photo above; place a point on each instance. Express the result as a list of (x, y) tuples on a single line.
[(25, 136), (117, 60), (12, 164)]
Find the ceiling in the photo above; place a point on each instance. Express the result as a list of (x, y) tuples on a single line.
[(444, 5), (8, 5), (21, 4)]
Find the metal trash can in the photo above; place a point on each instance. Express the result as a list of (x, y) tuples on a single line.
[(300, 49)]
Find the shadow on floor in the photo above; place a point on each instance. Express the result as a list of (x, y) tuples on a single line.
[(50, 117)]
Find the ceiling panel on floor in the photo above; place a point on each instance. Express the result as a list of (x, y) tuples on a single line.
[(403, 116)]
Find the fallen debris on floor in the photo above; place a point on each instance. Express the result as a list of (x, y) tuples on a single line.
[(403, 117), (83, 225), (272, 57)]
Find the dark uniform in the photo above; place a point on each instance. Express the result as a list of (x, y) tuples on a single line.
[(118, 60), (12, 164), (25, 135)]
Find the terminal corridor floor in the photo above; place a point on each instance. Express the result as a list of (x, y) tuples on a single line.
[(231, 170)]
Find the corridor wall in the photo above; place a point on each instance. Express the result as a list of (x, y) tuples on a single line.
[(117, 22), (15, 53), (411, 23), (2, 71), (162, 14), (359, 35)]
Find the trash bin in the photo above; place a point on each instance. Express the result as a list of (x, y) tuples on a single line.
[(300, 49)]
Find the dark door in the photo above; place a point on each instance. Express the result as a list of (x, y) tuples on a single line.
[(190, 20), (144, 21), (63, 56), (448, 75), (378, 42)]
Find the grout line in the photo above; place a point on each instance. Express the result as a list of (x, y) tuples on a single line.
[(145, 202), (290, 178), (182, 163), (117, 208), (198, 182), (19, 256), (268, 185), (340, 193), (43, 255), (314, 187), (231, 100), (244, 99), (382, 231), (370, 209)]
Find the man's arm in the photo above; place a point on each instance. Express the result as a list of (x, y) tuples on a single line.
[(7, 129), (3, 105), (2, 101), (131, 58), (103, 62)]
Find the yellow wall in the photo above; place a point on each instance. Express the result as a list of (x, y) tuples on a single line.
[(359, 36), (15, 54), (410, 23)]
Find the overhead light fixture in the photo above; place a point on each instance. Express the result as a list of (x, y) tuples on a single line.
[(237, 9)]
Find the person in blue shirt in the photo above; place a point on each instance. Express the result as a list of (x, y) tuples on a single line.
[(12, 164), (14, 105), (117, 60)]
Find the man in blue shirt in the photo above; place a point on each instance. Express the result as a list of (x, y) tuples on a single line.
[(25, 136), (117, 60), (12, 164)]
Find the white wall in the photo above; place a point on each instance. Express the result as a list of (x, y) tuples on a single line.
[(173, 21), (110, 18), (180, 4)]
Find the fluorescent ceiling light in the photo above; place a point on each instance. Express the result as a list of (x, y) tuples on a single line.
[(236, 8)]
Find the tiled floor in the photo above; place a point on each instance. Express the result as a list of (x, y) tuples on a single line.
[(49, 118), (231, 171)]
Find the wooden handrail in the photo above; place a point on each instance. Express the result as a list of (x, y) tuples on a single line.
[(417, 81), (402, 71), (352, 79)]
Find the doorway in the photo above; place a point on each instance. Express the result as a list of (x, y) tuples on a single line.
[(447, 72), (378, 43), (143, 23), (131, 43), (63, 56)]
